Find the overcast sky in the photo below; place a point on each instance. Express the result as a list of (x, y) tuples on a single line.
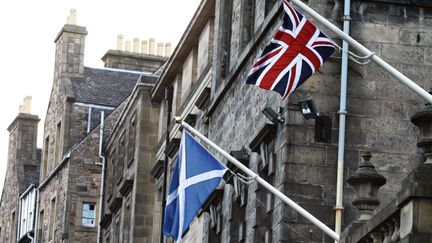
[(28, 29)]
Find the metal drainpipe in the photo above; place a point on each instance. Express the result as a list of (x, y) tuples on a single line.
[(101, 193), (342, 118), (36, 216)]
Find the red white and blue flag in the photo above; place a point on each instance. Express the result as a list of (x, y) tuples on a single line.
[(295, 52)]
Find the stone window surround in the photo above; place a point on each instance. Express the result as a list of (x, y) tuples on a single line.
[(12, 229), (132, 137), (45, 162), (79, 212), (52, 218)]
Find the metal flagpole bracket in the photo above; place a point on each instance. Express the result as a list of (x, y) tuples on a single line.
[(178, 119)]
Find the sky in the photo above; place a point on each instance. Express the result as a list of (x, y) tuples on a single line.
[(28, 29)]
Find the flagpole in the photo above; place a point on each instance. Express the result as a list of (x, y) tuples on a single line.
[(262, 182), (168, 100), (364, 51)]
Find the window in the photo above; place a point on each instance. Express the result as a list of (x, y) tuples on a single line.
[(58, 150), (120, 158), (88, 214), (12, 232), (117, 230), (131, 141), (248, 20), (265, 199), (40, 227), (126, 219), (52, 220), (45, 158)]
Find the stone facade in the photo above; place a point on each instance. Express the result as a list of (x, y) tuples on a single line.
[(129, 190), (287, 155), (207, 74)]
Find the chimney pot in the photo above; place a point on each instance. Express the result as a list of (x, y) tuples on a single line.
[(120, 42), (160, 49), (26, 106), (152, 46), (168, 49), (71, 19), (136, 45), (128, 46), (144, 47)]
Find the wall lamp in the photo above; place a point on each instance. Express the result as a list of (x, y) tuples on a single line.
[(323, 123), (274, 117)]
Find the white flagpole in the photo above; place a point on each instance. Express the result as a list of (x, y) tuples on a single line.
[(262, 182), (364, 51)]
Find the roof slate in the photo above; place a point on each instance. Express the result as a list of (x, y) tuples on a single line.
[(105, 86), (31, 172)]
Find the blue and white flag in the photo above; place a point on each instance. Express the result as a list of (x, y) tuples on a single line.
[(195, 176)]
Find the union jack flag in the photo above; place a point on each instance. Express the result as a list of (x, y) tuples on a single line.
[(295, 52)]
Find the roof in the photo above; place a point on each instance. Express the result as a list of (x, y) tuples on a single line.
[(31, 172), (105, 86)]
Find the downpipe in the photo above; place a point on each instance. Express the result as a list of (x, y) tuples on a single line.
[(342, 118)]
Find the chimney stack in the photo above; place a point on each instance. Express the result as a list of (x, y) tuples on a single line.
[(119, 42), (71, 19), (152, 46)]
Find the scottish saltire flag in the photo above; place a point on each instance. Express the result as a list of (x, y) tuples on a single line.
[(195, 176), (295, 52)]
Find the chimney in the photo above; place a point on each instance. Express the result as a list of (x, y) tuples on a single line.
[(70, 43), (160, 49), (128, 46), (136, 43), (168, 49), (26, 106), (144, 47), (22, 138), (152, 46), (119, 42)]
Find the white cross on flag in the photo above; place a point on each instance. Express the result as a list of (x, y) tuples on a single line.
[(195, 176)]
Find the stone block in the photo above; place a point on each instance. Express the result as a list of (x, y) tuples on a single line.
[(428, 56), (403, 54), (325, 213), (416, 37), (300, 192), (322, 175), (368, 32), (296, 172), (310, 155)]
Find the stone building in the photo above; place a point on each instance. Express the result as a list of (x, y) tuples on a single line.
[(72, 157), (208, 71), (110, 125)]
